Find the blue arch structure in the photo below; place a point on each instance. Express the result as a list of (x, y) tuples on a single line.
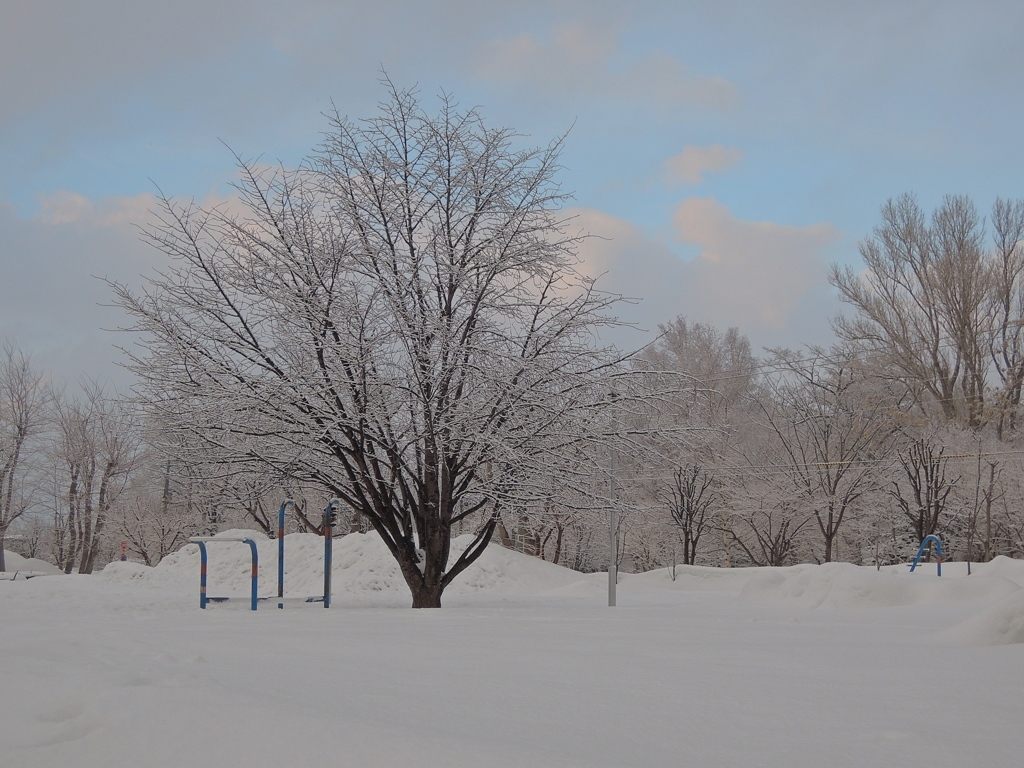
[(202, 542), (924, 546)]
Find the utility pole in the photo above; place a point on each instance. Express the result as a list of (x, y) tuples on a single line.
[(613, 523)]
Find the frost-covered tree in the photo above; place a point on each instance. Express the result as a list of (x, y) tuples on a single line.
[(833, 430), (23, 400), (923, 492), (97, 445), (399, 320), (699, 383), (689, 501)]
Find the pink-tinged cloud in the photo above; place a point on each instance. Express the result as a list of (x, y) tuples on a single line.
[(577, 60), (690, 165), (67, 207), (63, 207), (759, 269), (766, 279)]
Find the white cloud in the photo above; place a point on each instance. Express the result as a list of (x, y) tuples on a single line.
[(758, 270), (63, 207), (54, 302), (662, 77), (67, 207), (690, 165), (579, 59), (125, 213), (766, 279)]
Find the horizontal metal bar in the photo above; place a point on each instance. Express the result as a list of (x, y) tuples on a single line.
[(197, 539)]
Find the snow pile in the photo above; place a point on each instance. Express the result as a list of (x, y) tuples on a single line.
[(688, 578), (362, 567), (364, 570), (695, 578), (26, 567), (842, 585), (999, 624), (1001, 566)]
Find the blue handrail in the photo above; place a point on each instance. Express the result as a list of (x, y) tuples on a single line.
[(938, 552)]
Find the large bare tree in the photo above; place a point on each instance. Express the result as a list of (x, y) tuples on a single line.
[(400, 321), (1007, 341), (923, 308)]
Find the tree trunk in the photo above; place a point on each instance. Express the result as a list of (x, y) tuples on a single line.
[(503, 538), (72, 551), (3, 559), (427, 596), (86, 518)]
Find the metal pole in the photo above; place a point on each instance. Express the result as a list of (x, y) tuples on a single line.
[(202, 575), (938, 552), (255, 572), (280, 550), (328, 524)]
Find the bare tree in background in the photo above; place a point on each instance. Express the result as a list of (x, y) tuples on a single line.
[(1007, 342), (922, 496), (834, 432), (389, 320), (700, 381), (689, 501), (151, 528), (768, 534), (23, 402), (98, 443), (923, 308), (153, 516), (715, 369)]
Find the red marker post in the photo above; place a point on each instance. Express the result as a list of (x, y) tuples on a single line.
[(124, 551)]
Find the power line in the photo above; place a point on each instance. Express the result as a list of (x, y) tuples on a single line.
[(767, 469)]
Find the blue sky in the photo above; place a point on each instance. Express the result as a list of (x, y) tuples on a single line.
[(726, 152)]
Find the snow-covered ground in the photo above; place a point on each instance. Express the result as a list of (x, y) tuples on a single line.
[(524, 666)]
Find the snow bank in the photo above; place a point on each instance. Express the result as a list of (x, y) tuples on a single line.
[(26, 566), (696, 578), (999, 624), (688, 578), (1001, 566), (362, 567), (842, 585), (364, 570)]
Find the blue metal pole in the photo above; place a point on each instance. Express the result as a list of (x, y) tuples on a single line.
[(328, 525), (280, 550), (202, 576), (255, 570), (924, 546)]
